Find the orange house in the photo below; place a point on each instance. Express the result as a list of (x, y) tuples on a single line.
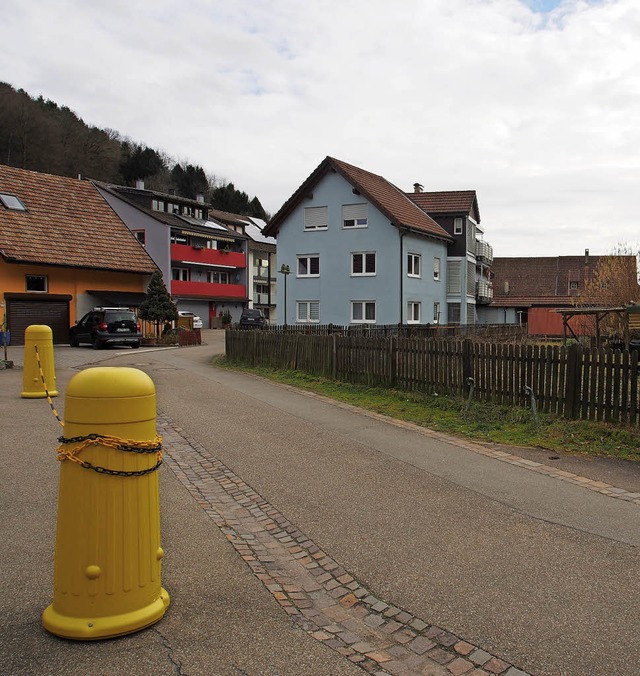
[(63, 250)]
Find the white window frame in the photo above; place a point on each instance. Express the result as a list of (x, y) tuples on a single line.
[(365, 258), (222, 277), (411, 313), (308, 258), (355, 216), (316, 218), (436, 268), (42, 278), (311, 311), (412, 260), (364, 305), (457, 226)]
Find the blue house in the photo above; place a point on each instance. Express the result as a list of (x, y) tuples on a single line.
[(359, 250)]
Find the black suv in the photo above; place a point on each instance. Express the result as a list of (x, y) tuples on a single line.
[(106, 326), (252, 318)]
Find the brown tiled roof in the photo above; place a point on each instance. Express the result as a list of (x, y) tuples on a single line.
[(445, 202), (541, 281), (67, 223), (385, 196)]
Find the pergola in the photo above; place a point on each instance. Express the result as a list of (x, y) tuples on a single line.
[(599, 313)]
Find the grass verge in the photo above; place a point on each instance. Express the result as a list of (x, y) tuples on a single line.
[(480, 421)]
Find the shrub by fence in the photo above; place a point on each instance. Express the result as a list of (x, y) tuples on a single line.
[(574, 382)]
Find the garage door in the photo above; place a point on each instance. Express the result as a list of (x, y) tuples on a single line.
[(23, 313)]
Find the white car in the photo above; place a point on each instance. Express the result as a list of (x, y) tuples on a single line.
[(197, 322)]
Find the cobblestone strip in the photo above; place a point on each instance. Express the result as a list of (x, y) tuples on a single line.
[(318, 594), (589, 484)]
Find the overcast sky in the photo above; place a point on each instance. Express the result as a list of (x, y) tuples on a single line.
[(533, 103)]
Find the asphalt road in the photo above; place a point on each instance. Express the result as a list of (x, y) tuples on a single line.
[(538, 571)]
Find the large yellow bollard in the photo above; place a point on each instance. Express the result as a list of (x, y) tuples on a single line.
[(38, 347), (108, 554)]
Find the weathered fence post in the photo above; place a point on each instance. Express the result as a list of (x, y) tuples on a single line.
[(467, 361), (334, 357), (392, 370), (573, 382)]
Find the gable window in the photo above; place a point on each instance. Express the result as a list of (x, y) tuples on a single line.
[(157, 205), (308, 311), (363, 263), (12, 202), (354, 215), (414, 313), (139, 235), (309, 266), (436, 269), (363, 311), (180, 274), (457, 226), (413, 265), (316, 218), (36, 283), (436, 312)]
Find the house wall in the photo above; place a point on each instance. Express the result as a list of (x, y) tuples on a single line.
[(157, 235), (71, 281), (336, 287), (547, 322), (497, 315), (425, 290)]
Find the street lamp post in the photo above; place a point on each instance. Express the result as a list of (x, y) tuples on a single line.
[(285, 270)]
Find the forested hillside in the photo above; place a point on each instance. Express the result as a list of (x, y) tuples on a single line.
[(40, 135)]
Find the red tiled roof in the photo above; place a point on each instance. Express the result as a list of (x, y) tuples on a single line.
[(385, 196), (445, 202), (67, 223)]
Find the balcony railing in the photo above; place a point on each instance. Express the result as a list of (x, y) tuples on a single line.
[(484, 292), (207, 290), (484, 252), (190, 254), (263, 273), (263, 299)]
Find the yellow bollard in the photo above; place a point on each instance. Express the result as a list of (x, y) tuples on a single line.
[(108, 554), (38, 337)]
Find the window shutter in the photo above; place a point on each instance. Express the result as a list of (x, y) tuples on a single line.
[(354, 211), (453, 277), (316, 217)]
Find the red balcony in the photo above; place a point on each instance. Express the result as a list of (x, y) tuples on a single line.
[(210, 291), (230, 259)]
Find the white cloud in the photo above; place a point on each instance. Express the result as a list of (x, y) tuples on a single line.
[(535, 105)]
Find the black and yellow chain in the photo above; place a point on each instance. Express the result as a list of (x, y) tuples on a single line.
[(46, 390), (125, 445)]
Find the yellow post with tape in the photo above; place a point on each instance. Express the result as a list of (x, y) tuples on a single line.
[(108, 554), (39, 372)]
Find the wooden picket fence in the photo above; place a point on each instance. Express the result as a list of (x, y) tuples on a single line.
[(574, 382)]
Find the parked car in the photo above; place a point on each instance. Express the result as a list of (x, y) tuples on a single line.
[(252, 318), (106, 326), (197, 322)]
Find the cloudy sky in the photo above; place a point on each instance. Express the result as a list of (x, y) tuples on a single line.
[(533, 103)]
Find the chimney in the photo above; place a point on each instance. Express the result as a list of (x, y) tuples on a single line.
[(139, 184), (418, 187), (200, 198), (172, 191), (586, 257)]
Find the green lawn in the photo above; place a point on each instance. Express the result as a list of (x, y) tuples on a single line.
[(477, 420)]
